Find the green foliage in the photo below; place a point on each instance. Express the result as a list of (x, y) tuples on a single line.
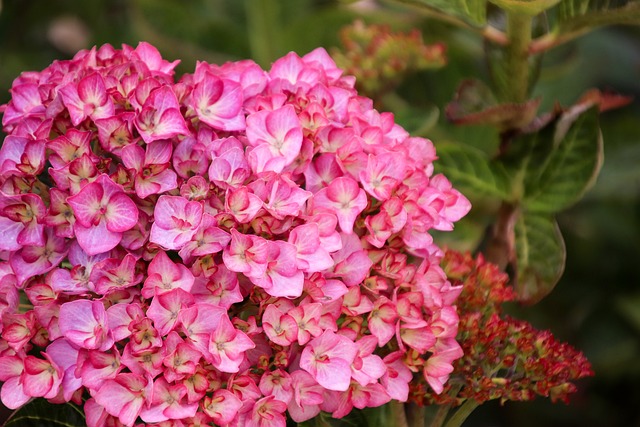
[(571, 164), (472, 170), (541, 256), (40, 413), (473, 12), (528, 7)]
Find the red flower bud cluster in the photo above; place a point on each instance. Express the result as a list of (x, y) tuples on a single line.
[(379, 58), (504, 358)]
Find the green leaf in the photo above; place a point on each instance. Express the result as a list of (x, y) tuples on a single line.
[(40, 413), (471, 170), (582, 15), (473, 12), (558, 174), (528, 7), (541, 256)]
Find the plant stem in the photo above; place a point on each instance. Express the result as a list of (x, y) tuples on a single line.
[(398, 417), (462, 413), (440, 416), (415, 414), (517, 56)]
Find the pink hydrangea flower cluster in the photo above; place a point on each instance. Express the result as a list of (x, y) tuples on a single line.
[(226, 249)]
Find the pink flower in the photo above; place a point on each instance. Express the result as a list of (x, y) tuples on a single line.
[(121, 317), (167, 403), (307, 318), (18, 329), (351, 262), (198, 322), (367, 367), (439, 365), (84, 323), (242, 204), (116, 132), (278, 384), (229, 166), (358, 396), (267, 412), (382, 320), (41, 377), (222, 249), (181, 358), (281, 328), (163, 275), (88, 99), (60, 216), (166, 307), (246, 254), (322, 171), (176, 221), (217, 102), (125, 396), (281, 196), (151, 166), (221, 289), (383, 174), (222, 407), (21, 156), (276, 137), (310, 254), (344, 198), (103, 212), (308, 395), (112, 274), (22, 218), (25, 101), (94, 367), (150, 56), (12, 393), (397, 377), (281, 277), (190, 159), (328, 359), (209, 239), (227, 346), (160, 116), (34, 260), (446, 202)]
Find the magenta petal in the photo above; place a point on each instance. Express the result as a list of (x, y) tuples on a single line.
[(121, 214), (158, 153), (335, 375), (91, 89), (96, 239), (87, 203), (171, 124), (133, 157), (85, 324), (12, 393), (9, 234)]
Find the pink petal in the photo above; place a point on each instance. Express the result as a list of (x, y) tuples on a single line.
[(96, 239), (87, 203), (12, 393), (121, 214)]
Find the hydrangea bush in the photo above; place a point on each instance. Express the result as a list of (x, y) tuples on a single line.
[(234, 248)]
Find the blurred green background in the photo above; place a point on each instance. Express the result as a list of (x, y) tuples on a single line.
[(596, 305)]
